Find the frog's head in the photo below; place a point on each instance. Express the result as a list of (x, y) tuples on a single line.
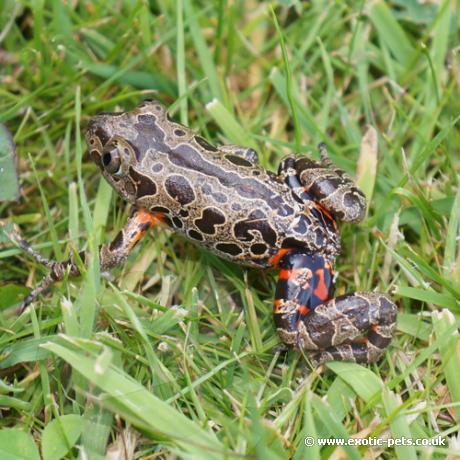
[(118, 142)]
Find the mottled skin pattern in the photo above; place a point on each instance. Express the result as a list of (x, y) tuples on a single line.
[(222, 199)]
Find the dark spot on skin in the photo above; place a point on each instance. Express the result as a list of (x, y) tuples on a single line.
[(219, 197), (183, 213), (177, 222), (319, 237), (209, 219), (205, 144), (144, 226), (257, 214), (256, 172), (349, 200), (285, 210), (146, 119), (258, 248), (160, 209), (117, 242), (302, 225), (158, 108), (157, 167), (229, 248), (144, 185), (179, 132), (206, 189), (102, 135), (195, 235), (237, 160), (166, 220), (244, 230), (179, 188), (91, 141), (293, 243)]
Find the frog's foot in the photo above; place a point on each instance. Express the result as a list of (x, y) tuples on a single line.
[(356, 327), (110, 255), (246, 153), (325, 184)]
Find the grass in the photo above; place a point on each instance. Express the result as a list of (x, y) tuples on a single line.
[(176, 355)]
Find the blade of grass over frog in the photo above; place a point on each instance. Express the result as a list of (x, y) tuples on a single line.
[(204, 55), (442, 322), (229, 125), (180, 62), (391, 32), (289, 83), (398, 423), (158, 415), (9, 190)]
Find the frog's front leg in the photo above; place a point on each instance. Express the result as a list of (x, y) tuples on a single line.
[(247, 153), (354, 327), (326, 185), (110, 255)]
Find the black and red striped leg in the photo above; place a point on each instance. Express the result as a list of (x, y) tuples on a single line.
[(354, 327)]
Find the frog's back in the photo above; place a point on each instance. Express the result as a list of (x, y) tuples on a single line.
[(220, 200)]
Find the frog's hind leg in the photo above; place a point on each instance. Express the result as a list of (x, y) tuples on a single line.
[(355, 327), (327, 185)]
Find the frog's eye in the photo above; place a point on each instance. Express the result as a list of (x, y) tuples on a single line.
[(112, 161)]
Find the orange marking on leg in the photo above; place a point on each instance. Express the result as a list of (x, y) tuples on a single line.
[(145, 220), (284, 274), (277, 304), (321, 290), (275, 259), (303, 310)]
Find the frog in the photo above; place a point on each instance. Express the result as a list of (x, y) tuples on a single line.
[(221, 198)]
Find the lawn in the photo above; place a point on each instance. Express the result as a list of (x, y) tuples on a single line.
[(175, 354)]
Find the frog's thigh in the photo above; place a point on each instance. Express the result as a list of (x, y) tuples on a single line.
[(331, 187), (356, 327), (135, 228), (244, 152)]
